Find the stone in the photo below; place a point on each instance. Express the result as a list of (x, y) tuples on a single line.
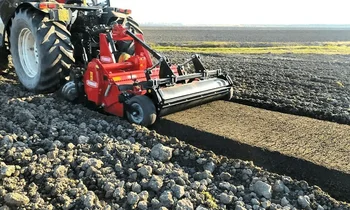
[(255, 201), (210, 166), (89, 199), (60, 171), (266, 204), (155, 183), (161, 152), (136, 187), (184, 204), (16, 199), (284, 201), (142, 205), (145, 171), (303, 201), (132, 198), (240, 208), (225, 198), (7, 170), (143, 195), (224, 176), (319, 207), (179, 191), (203, 175), (263, 189), (200, 207), (83, 140), (166, 199), (278, 186), (96, 163), (225, 185)]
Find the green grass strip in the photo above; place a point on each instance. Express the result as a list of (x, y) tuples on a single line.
[(232, 48)]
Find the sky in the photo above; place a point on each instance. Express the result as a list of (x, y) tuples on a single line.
[(235, 12)]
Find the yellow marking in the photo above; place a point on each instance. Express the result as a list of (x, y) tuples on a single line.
[(63, 15), (117, 79), (149, 91), (91, 76)]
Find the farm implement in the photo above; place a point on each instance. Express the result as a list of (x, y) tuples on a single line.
[(94, 52)]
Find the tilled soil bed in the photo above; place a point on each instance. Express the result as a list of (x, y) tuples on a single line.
[(57, 155), (317, 86)]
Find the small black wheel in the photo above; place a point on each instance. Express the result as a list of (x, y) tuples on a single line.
[(144, 111)]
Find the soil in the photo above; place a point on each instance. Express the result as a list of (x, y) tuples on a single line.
[(320, 142), (317, 86)]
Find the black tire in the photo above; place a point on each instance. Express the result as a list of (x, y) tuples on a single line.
[(148, 115), (4, 60), (54, 51)]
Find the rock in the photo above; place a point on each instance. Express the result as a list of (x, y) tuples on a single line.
[(142, 205), (155, 203), (132, 198), (319, 207), (145, 171), (210, 166), (184, 204), (200, 207), (96, 163), (136, 187), (166, 199), (240, 208), (70, 146), (16, 199), (155, 183), (161, 152), (203, 175), (303, 201), (255, 201), (284, 201), (90, 200), (143, 195), (278, 186), (178, 191), (83, 140), (119, 193), (266, 204), (60, 171), (263, 189), (225, 185), (224, 176), (7, 170), (225, 198)]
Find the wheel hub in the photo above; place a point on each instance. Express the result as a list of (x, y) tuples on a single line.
[(137, 115), (28, 53)]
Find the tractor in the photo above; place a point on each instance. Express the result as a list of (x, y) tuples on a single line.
[(91, 51)]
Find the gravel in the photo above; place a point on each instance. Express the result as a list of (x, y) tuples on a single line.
[(60, 155)]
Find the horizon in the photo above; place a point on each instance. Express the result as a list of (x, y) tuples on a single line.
[(241, 12)]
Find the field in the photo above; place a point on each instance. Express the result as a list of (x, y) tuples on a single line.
[(223, 155)]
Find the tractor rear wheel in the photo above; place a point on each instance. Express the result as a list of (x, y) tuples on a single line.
[(41, 50), (144, 111)]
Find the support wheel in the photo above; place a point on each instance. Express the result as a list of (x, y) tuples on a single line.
[(144, 111), (41, 51)]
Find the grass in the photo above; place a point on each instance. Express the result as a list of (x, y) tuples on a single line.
[(256, 47)]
